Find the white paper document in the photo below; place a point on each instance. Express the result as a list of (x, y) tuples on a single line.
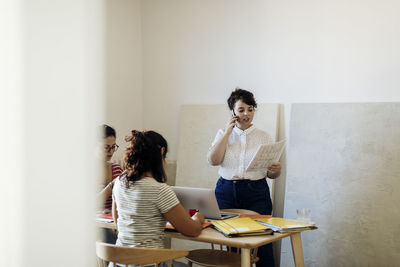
[(266, 155)]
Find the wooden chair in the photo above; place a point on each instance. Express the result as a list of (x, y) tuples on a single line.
[(221, 258), (139, 256)]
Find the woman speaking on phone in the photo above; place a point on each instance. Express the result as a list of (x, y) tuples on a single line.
[(232, 149)]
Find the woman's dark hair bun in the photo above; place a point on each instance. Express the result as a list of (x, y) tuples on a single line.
[(108, 131), (241, 94), (144, 155)]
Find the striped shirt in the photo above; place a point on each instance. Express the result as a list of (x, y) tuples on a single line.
[(116, 171), (140, 211)]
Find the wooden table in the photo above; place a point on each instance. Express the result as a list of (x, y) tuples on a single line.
[(210, 235)]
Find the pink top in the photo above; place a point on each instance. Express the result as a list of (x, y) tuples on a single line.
[(116, 171)]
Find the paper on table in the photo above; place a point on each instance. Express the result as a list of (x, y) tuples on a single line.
[(169, 226), (285, 225), (266, 155)]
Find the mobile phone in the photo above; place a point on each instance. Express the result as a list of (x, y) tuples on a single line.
[(233, 113)]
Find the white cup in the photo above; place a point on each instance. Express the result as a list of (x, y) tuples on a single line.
[(303, 215)]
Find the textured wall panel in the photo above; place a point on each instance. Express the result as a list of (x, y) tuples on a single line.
[(344, 164)]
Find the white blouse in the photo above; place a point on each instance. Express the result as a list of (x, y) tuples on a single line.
[(242, 145)]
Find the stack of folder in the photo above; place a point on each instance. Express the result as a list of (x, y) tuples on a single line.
[(258, 225), (285, 225), (241, 227)]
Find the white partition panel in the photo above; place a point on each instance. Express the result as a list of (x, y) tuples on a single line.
[(343, 164)]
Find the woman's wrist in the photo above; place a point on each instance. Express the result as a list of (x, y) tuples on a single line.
[(197, 220), (226, 134), (111, 184), (273, 175)]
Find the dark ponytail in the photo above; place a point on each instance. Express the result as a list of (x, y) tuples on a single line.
[(108, 131), (143, 154)]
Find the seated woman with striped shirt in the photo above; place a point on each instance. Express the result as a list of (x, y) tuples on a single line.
[(142, 201)]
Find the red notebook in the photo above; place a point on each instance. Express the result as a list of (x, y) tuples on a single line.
[(106, 216)]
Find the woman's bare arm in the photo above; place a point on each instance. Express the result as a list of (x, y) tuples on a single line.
[(216, 154), (183, 223), (115, 213)]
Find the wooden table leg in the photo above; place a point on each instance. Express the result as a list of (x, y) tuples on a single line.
[(297, 249), (245, 258)]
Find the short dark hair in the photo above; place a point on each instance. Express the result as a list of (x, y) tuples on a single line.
[(143, 154), (241, 94), (108, 131)]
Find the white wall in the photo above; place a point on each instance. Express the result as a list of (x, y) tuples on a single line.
[(197, 52), (124, 94), (284, 51), (11, 183), (50, 107)]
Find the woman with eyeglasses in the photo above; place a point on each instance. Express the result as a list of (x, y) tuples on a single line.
[(111, 170)]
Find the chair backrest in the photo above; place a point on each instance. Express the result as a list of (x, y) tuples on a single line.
[(138, 256)]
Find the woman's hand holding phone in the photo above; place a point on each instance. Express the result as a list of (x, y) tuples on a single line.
[(231, 123)]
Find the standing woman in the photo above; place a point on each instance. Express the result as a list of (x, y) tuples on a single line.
[(233, 149)]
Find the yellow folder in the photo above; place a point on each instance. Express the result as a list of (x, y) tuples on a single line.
[(241, 227)]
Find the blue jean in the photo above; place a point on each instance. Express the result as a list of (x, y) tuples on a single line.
[(250, 195)]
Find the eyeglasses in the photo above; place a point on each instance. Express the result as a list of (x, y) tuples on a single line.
[(111, 148)]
